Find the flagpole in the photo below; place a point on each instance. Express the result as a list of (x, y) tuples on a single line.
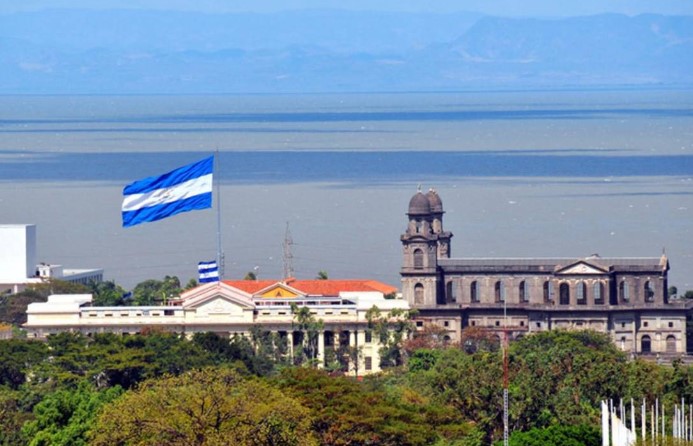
[(220, 254)]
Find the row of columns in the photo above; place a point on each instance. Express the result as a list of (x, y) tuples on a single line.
[(357, 338)]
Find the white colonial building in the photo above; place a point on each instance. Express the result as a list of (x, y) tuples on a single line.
[(18, 266), (233, 308)]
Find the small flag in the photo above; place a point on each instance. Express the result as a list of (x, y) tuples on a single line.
[(187, 188), (209, 271)]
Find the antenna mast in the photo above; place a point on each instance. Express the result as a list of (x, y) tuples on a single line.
[(505, 372), (287, 255)]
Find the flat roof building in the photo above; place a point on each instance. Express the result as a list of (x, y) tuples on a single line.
[(231, 308), (18, 265)]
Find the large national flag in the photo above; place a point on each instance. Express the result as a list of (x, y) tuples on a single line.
[(209, 271), (187, 188)]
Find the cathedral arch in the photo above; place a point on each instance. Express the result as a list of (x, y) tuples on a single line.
[(564, 294), (418, 259), (418, 294)]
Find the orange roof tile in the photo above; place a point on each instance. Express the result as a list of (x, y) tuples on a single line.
[(328, 287)]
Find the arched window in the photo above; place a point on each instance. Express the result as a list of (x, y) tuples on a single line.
[(564, 294), (623, 293), (524, 291), (418, 259), (500, 291), (671, 344), (418, 294), (581, 293), (645, 344), (450, 292), (474, 291), (598, 293), (649, 291), (548, 291)]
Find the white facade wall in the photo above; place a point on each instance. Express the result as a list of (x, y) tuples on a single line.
[(17, 252)]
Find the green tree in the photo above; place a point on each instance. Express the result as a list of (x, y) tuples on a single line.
[(17, 358), (250, 276), (306, 323), (322, 275), (107, 294), (65, 416), (392, 330), (192, 283), (12, 417), (153, 292), (214, 406), (581, 435), (346, 412)]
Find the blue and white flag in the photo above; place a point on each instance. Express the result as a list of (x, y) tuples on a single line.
[(209, 271), (187, 188)]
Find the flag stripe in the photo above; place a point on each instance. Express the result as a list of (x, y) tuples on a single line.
[(187, 188), (209, 271), (181, 191), (154, 213), (170, 179)]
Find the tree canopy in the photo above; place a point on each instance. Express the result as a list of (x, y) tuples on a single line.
[(207, 407)]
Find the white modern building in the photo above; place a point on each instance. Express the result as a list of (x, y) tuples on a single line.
[(18, 265), (232, 308)]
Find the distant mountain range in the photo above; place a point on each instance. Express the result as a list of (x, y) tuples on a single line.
[(133, 51)]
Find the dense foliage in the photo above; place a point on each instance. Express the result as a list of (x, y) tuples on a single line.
[(73, 389)]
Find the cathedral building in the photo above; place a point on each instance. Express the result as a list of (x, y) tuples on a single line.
[(624, 297)]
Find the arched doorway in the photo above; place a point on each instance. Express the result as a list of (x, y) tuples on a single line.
[(671, 344), (645, 344)]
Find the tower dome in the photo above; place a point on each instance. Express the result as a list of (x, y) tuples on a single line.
[(434, 201), (419, 204)]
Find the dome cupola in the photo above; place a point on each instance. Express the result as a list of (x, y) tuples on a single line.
[(419, 204)]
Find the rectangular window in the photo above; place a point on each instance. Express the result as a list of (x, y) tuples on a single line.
[(446, 323), (369, 363), (369, 337)]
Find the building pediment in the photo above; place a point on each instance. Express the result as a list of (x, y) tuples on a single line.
[(279, 290), (581, 267), (218, 293)]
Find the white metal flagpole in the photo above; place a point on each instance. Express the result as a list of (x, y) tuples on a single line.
[(220, 253)]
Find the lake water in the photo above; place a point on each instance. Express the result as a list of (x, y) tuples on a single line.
[(521, 174)]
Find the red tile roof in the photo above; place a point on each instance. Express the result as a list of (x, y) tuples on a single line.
[(328, 287)]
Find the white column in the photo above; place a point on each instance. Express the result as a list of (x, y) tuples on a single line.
[(290, 341), (321, 349)]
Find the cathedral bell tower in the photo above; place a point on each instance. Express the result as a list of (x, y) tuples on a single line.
[(424, 242)]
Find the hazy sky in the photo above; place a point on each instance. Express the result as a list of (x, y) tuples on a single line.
[(494, 7)]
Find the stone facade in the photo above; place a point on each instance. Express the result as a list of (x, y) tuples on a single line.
[(625, 297)]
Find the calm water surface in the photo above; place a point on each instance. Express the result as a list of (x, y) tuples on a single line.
[(521, 174)]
